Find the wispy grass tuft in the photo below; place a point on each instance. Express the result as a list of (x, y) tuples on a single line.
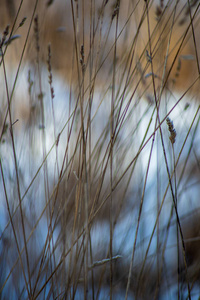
[(99, 197)]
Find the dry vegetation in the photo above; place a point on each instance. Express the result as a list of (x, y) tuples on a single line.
[(99, 149)]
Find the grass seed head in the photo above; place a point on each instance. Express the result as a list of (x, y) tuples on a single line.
[(172, 130)]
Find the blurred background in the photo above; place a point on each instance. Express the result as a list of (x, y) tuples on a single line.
[(99, 149)]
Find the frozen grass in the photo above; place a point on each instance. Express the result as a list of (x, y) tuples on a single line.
[(99, 152)]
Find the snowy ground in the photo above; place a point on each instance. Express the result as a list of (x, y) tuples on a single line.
[(30, 154)]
